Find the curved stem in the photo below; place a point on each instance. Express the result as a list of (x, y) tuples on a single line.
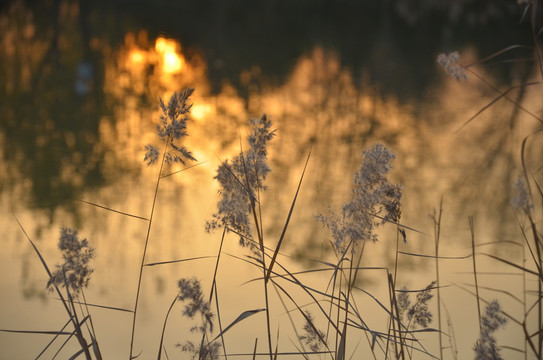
[(164, 327)]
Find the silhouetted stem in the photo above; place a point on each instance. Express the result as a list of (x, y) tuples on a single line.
[(437, 229), (145, 247)]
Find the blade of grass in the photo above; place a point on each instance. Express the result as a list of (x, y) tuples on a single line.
[(276, 346), (434, 257), (502, 95), (497, 53), (398, 224), (76, 355), (177, 261), (101, 306), (164, 327), (244, 315), (496, 290), (254, 351), (184, 169), (95, 347), (512, 348), (510, 317), (272, 262), (214, 281), (513, 265), (220, 322), (291, 321), (43, 332), (52, 340), (113, 210)]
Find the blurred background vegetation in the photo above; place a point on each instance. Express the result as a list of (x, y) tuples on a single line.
[(53, 54)]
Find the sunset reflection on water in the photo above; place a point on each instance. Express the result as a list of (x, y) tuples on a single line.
[(321, 108)]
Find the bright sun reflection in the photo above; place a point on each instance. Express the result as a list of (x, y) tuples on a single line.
[(200, 111), (170, 60)]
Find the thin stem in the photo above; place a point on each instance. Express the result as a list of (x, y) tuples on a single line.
[(472, 229), (340, 285), (437, 230), (350, 281), (78, 331), (213, 288), (265, 286), (164, 327), (145, 247), (394, 293), (524, 301), (97, 352), (214, 282), (392, 322), (258, 226)]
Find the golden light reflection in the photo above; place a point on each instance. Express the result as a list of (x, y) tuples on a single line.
[(167, 49), (137, 58), (202, 111)]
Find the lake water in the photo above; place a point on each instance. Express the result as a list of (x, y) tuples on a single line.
[(80, 89)]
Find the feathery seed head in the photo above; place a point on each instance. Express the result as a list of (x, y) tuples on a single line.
[(313, 336), (173, 126), (451, 66), (207, 352), (486, 347), (190, 291), (404, 303), (75, 271), (493, 318), (522, 201), (372, 195), (240, 180), (151, 154), (419, 313)]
